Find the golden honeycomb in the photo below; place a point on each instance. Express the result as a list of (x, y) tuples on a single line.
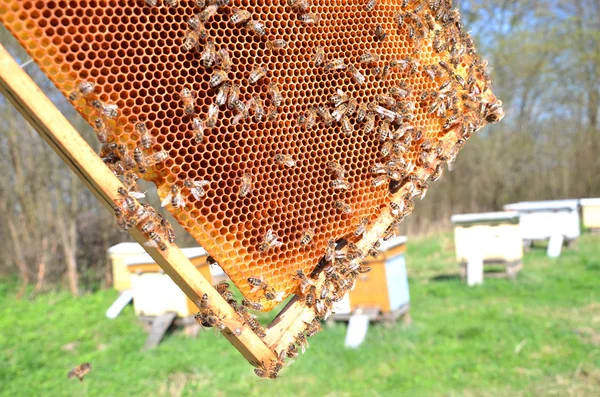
[(132, 52)]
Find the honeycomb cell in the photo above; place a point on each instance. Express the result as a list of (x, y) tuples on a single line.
[(133, 52)]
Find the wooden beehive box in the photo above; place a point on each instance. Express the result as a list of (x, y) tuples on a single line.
[(494, 236), (117, 255), (155, 293), (542, 219), (385, 287), (590, 212)]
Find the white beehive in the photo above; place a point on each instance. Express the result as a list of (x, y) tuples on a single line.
[(118, 254)]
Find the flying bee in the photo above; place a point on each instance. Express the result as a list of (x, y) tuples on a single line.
[(336, 168), (257, 74), (336, 64), (196, 187), (319, 56), (362, 227), (343, 207), (218, 77), (257, 283), (246, 185), (256, 27), (380, 34), (371, 4), (285, 160), (188, 97), (239, 16), (277, 44), (269, 241), (275, 93), (198, 127), (212, 116), (305, 282), (309, 18), (209, 56), (174, 198), (109, 111), (80, 371), (311, 296), (83, 89), (357, 76), (340, 184), (307, 236), (155, 241)]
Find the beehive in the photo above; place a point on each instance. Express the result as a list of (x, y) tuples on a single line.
[(132, 52), (590, 213)]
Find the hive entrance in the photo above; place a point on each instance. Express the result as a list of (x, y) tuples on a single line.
[(132, 52)]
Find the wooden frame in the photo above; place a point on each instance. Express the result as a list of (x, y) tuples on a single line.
[(54, 128)]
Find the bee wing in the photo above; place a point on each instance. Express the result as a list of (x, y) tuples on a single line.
[(150, 243), (138, 195), (198, 193), (213, 110), (201, 183), (279, 296), (167, 200), (179, 201)]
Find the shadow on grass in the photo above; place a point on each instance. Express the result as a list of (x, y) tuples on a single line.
[(446, 277)]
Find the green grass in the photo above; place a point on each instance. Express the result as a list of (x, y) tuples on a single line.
[(537, 336)]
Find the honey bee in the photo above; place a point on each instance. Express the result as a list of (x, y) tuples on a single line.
[(362, 227), (311, 296), (371, 4), (80, 371), (191, 40), (343, 207), (305, 282), (172, 3), (83, 89), (369, 125), (319, 56), (234, 96), (109, 111), (285, 160), (218, 77), (224, 59), (272, 114), (277, 44), (367, 57), (307, 236), (174, 198), (187, 97), (325, 115), (138, 157), (346, 126), (292, 351), (336, 64), (340, 184), (209, 56), (380, 34), (257, 74), (212, 117), (302, 342), (357, 76), (198, 129), (272, 295), (221, 287), (259, 108), (197, 26), (151, 3), (196, 187), (128, 201), (313, 328), (269, 241), (364, 268), (126, 159), (336, 168), (252, 305), (155, 241), (208, 12), (275, 93), (384, 131), (256, 27), (246, 185), (257, 283), (239, 16), (311, 118), (309, 18), (339, 112), (361, 112), (170, 233), (101, 130)]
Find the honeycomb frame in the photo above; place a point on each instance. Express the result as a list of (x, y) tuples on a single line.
[(132, 52)]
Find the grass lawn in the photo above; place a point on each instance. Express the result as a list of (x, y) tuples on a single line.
[(537, 336)]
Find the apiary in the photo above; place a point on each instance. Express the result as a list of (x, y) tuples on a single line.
[(493, 237), (272, 130), (384, 287), (540, 220), (590, 212), (154, 293), (117, 255)]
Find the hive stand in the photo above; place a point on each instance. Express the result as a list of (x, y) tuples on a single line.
[(56, 130)]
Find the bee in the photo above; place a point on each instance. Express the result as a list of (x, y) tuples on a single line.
[(305, 282), (265, 373), (319, 56), (272, 295), (311, 118), (208, 12), (371, 4), (362, 227), (80, 371), (257, 74), (198, 129), (364, 268), (148, 227), (256, 27), (396, 209), (277, 44), (384, 131), (101, 130), (311, 296), (307, 236), (346, 126), (292, 351), (252, 305), (302, 342), (151, 3), (343, 207), (275, 93), (309, 18), (299, 5), (269, 241), (128, 201), (367, 57), (313, 328), (257, 283), (146, 140), (339, 112), (126, 159), (450, 122), (339, 98), (234, 96), (172, 3), (174, 198), (168, 230), (325, 115), (197, 26), (196, 187), (221, 287), (380, 34), (336, 168), (239, 16), (400, 19), (352, 106), (209, 56), (361, 112), (336, 64), (187, 97), (218, 77), (109, 111), (246, 185), (369, 123), (285, 160), (340, 184), (224, 59), (272, 114), (83, 89), (155, 241), (191, 40), (212, 117)]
